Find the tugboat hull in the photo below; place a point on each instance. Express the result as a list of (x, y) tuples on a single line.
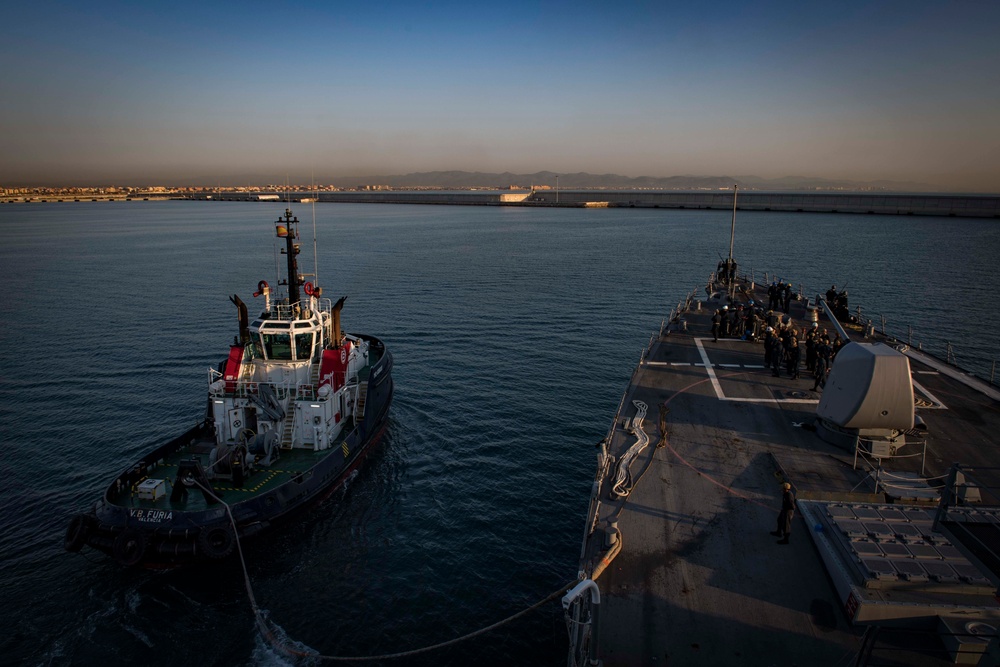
[(166, 538)]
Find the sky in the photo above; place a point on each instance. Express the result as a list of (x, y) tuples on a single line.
[(178, 93)]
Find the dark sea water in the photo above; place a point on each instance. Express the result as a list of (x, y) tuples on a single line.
[(514, 332)]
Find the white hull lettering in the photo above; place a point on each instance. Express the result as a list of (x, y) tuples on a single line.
[(151, 516)]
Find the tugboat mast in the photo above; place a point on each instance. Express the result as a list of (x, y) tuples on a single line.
[(291, 250)]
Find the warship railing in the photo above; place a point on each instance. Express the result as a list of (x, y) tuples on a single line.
[(869, 328)]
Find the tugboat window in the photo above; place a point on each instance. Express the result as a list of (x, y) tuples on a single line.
[(256, 350), (277, 346), (303, 346)]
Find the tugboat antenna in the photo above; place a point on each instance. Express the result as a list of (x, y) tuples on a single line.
[(732, 232), (315, 252)]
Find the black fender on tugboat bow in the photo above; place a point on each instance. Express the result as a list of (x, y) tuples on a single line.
[(217, 541), (77, 532), (129, 546)]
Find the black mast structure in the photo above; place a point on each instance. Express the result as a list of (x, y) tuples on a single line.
[(291, 250)]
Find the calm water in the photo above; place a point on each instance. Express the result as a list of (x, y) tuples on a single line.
[(514, 332)]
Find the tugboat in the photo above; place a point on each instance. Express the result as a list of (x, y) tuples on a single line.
[(294, 408)]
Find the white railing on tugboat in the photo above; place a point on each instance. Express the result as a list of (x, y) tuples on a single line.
[(288, 311), (246, 388)]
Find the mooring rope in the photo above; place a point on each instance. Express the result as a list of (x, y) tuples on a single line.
[(284, 647)]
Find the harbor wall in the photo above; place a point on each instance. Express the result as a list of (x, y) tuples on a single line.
[(978, 206), (972, 206), (966, 206)]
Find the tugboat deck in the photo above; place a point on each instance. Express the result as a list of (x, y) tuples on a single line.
[(262, 480), (696, 577)]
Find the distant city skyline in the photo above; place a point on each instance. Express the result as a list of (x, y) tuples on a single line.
[(237, 94)]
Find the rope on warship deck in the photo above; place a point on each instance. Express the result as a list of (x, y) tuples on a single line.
[(623, 475), (289, 650), (666, 442)]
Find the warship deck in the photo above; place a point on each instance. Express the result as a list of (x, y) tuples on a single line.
[(695, 576)]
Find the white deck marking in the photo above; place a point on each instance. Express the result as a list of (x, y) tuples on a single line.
[(928, 372), (708, 367), (938, 405), (718, 386)]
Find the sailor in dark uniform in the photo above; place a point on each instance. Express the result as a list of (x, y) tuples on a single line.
[(811, 343), (823, 353), (716, 319), (794, 355), (836, 345), (786, 514), (777, 355)]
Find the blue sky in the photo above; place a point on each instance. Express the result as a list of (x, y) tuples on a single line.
[(169, 93)]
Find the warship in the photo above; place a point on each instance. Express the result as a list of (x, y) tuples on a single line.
[(890, 462)]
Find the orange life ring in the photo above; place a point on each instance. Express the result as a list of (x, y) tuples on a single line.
[(308, 288), (261, 286)]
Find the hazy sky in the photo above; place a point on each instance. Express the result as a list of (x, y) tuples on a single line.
[(172, 92)]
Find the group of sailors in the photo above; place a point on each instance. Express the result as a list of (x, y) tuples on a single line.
[(779, 296), (783, 342), (782, 347), (837, 301), (737, 322)]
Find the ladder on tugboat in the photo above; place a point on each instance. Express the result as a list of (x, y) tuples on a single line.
[(286, 435), (314, 374), (359, 410)]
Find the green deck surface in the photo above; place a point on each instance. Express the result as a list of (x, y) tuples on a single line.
[(262, 480)]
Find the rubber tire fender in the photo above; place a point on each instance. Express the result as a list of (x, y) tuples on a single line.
[(129, 547), (217, 541), (77, 532)]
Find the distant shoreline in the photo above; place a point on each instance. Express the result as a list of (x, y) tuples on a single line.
[(947, 205)]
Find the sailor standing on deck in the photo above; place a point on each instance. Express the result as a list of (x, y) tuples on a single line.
[(794, 355), (777, 355), (786, 514), (812, 342), (716, 319), (823, 353)]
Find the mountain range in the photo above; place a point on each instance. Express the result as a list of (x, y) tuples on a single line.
[(460, 180)]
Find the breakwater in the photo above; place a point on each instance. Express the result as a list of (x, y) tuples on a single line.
[(963, 206), (966, 206)]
